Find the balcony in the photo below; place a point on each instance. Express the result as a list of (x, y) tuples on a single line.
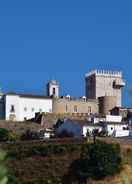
[(119, 83)]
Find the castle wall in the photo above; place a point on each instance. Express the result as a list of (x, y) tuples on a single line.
[(106, 104), (75, 106)]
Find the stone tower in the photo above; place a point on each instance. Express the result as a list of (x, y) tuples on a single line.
[(53, 88), (104, 83)]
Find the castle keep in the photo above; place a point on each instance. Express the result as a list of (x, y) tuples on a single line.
[(100, 83)]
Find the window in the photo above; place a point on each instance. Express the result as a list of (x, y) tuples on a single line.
[(12, 108), (89, 110), (40, 110), (66, 108), (25, 109), (25, 119), (32, 109), (75, 108), (54, 91)]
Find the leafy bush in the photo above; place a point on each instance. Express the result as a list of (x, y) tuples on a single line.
[(4, 134), (98, 161), (48, 150), (5, 177), (30, 135), (3, 170), (13, 136), (20, 151), (59, 149)]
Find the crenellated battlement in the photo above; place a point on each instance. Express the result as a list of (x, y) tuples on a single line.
[(105, 73)]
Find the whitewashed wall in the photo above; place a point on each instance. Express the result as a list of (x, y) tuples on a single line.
[(90, 129), (25, 108), (9, 101), (111, 128), (112, 118), (33, 106)]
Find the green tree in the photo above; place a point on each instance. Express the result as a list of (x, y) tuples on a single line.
[(98, 160), (3, 170), (5, 177), (4, 134)]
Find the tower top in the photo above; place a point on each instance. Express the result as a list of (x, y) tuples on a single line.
[(53, 82), (53, 88), (104, 73)]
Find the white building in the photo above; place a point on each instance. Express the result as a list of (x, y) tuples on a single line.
[(117, 129), (22, 107), (107, 118), (113, 118), (113, 125)]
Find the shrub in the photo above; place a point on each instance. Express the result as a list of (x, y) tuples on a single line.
[(3, 170), (13, 136), (4, 134), (41, 150), (5, 176), (98, 161), (29, 135), (59, 149)]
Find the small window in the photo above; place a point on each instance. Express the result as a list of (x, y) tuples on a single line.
[(25, 119), (75, 108), (54, 91), (12, 108), (25, 109), (124, 128), (89, 110), (66, 108)]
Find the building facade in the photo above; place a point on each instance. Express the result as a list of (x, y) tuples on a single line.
[(22, 107), (72, 106)]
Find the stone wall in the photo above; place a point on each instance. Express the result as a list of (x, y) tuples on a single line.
[(75, 106), (106, 104)]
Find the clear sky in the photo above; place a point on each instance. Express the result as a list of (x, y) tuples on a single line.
[(42, 40)]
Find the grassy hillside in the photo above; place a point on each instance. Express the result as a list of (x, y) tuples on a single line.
[(41, 163)]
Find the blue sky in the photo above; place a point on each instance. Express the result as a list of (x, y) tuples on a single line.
[(43, 40)]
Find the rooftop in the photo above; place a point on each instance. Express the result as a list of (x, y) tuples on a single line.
[(28, 95), (104, 72)]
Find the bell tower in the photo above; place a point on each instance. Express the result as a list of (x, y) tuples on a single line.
[(53, 89)]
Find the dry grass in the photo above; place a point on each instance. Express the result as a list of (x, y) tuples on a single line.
[(19, 127)]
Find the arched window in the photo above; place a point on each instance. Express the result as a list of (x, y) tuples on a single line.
[(75, 108)]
